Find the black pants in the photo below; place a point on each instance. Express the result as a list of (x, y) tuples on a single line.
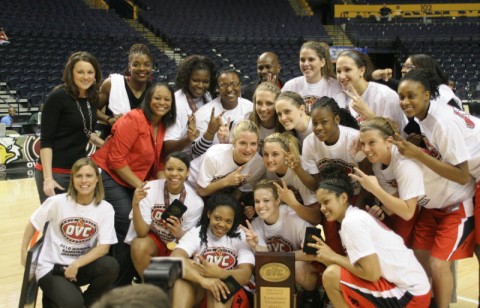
[(62, 180), (120, 197), (60, 292)]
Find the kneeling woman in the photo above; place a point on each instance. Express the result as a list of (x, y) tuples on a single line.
[(149, 232), (379, 270), (82, 258), (221, 252)]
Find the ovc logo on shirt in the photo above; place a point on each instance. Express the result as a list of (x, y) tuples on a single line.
[(223, 257), (78, 229), (278, 243)]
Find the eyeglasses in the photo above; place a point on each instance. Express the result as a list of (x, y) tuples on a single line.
[(408, 66), (225, 86)]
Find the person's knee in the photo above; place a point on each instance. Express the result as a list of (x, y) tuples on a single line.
[(109, 267), (65, 299), (439, 267), (140, 247), (331, 276), (305, 275)]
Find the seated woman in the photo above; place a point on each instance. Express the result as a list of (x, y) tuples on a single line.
[(149, 233), (278, 228), (131, 156), (236, 167), (221, 252), (379, 270), (78, 239)]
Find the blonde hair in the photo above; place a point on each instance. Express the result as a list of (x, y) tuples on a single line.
[(99, 193), (267, 87), (287, 141), (385, 126), (267, 184), (245, 126)]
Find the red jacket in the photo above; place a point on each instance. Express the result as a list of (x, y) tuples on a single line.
[(132, 144)]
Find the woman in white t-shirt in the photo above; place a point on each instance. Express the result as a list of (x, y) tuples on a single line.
[(215, 250), (149, 234), (79, 234), (279, 229), (379, 270), (318, 76), (195, 85), (367, 99), (235, 167), (291, 113), (263, 113), (397, 182), (453, 147)]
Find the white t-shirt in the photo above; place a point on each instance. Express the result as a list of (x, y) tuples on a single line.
[(202, 115), (218, 162), (73, 230), (301, 136), (310, 92), (344, 152), (445, 95), (153, 205), (403, 176), (384, 102), (302, 193), (362, 235), (226, 252), (183, 110), (285, 235)]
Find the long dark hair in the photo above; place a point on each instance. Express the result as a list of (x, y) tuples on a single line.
[(361, 60), (427, 62), (171, 116), (68, 82), (191, 64), (215, 200)]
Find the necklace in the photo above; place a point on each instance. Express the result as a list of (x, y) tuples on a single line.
[(87, 131)]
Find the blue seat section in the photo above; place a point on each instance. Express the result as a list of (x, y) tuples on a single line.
[(44, 35), (234, 33)]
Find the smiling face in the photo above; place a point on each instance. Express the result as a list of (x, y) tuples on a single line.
[(161, 102), (199, 83), (289, 114), (83, 77), (221, 220), (85, 181), (414, 99), (140, 67), (376, 148), (229, 86), (274, 157), (265, 107), (245, 147), (311, 65), (267, 65), (325, 125), (332, 206), (348, 72), (266, 206), (176, 172)]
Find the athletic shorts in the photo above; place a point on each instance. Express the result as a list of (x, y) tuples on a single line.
[(358, 292), (162, 249), (402, 227), (477, 213), (447, 233)]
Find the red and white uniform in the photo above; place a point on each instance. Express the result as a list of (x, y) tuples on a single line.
[(285, 235), (183, 110), (294, 183), (218, 162), (73, 230), (203, 114), (384, 102), (226, 252), (401, 274), (403, 177), (310, 92), (153, 205), (445, 226), (446, 95), (343, 153)]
